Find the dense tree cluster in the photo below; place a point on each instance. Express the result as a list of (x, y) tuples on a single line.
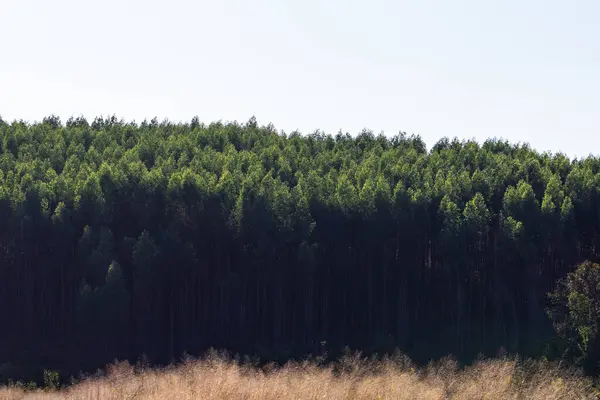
[(120, 239)]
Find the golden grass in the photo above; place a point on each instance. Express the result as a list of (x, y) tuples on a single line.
[(352, 378)]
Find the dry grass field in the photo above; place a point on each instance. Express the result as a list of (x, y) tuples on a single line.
[(352, 378)]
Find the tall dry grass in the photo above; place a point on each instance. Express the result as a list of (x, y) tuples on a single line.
[(216, 377)]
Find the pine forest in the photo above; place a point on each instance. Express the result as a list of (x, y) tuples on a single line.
[(125, 240)]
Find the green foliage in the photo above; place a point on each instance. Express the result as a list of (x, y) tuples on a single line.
[(51, 379), (575, 313), (122, 238)]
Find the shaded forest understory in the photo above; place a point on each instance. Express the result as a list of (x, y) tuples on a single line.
[(120, 239)]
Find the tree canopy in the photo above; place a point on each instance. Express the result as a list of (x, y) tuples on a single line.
[(120, 239)]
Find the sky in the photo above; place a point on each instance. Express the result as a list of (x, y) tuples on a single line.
[(526, 71)]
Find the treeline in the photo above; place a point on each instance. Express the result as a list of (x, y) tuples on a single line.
[(119, 239)]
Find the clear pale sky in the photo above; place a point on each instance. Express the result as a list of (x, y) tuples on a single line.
[(526, 71)]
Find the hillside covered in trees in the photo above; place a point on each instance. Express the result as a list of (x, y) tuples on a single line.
[(120, 239)]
